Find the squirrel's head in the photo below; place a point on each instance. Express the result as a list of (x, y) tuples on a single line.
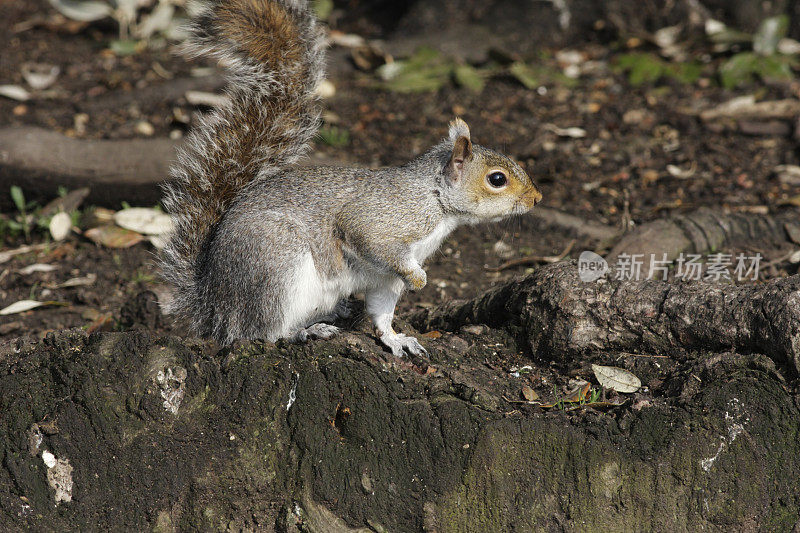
[(484, 183)]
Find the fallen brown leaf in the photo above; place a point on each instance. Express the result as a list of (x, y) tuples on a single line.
[(114, 237)]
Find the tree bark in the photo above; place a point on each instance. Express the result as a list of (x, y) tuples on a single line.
[(705, 230), (136, 433), (558, 317)]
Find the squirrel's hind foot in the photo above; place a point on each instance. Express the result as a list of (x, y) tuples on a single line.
[(320, 330), (399, 344)]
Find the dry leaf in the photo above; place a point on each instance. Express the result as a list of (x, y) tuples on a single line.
[(39, 75), (579, 394), (99, 216), (326, 89), (158, 20), (70, 202), (744, 107), (87, 10), (788, 174), (207, 99), (144, 128), (573, 132), (618, 379), (25, 305), (144, 220), (788, 47), (8, 254), (529, 394), (60, 226), (794, 200), (15, 92), (88, 279), (677, 172), (37, 267), (114, 237), (158, 241), (346, 40)]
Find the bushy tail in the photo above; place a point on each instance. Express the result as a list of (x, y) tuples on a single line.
[(274, 52)]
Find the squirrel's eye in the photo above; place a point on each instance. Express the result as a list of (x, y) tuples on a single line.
[(497, 179)]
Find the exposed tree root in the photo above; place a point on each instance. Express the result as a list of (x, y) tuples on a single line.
[(706, 230), (40, 161), (560, 317), (574, 225)]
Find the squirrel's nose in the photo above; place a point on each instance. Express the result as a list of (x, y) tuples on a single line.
[(533, 197)]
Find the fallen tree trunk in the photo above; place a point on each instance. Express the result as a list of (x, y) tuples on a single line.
[(559, 317)]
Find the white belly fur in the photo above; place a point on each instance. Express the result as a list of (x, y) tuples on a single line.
[(311, 295)]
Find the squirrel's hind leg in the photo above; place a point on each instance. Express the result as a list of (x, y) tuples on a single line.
[(312, 303)]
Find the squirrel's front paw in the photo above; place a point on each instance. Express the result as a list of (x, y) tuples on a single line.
[(399, 344), (416, 279)]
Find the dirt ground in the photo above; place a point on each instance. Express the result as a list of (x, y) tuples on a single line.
[(617, 172)]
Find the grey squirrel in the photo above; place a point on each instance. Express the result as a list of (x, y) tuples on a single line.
[(260, 250)]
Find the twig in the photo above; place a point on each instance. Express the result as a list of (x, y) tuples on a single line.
[(509, 400), (8, 254), (780, 259), (626, 354), (627, 219), (531, 259)]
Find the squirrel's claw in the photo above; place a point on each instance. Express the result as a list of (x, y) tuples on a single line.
[(399, 344)]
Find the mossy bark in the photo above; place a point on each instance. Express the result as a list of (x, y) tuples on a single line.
[(166, 435)]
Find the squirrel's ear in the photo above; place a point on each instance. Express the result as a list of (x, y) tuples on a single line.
[(458, 128), (462, 149)]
